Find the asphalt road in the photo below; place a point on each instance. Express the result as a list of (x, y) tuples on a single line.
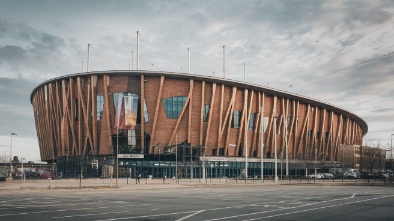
[(276, 202)]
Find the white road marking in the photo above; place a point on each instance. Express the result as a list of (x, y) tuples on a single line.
[(147, 216), (190, 215), (63, 210), (90, 214), (353, 196), (236, 216), (323, 207)]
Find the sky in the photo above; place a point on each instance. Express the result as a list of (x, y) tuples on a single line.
[(339, 52)]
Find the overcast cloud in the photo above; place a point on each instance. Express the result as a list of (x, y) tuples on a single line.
[(340, 52)]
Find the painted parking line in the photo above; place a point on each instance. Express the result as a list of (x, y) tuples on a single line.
[(190, 215), (317, 208), (295, 207), (65, 210), (148, 216), (353, 196), (280, 209)]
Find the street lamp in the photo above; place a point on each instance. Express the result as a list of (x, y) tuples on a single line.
[(12, 134), (391, 145), (276, 155)]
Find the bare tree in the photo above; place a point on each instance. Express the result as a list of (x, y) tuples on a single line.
[(372, 156)]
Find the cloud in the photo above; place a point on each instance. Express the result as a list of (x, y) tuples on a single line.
[(283, 43)]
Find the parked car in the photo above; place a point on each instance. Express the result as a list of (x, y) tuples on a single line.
[(380, 175), (316, 176), (350, 175), (338, 175), (365, 175), (328, 175), (44, 174)]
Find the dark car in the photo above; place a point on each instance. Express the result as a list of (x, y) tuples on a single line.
[(380, 175)]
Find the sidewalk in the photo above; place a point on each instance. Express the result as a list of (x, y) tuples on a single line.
[(123, 183), (146, 184)]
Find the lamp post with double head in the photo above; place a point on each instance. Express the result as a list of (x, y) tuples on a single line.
[(12, 134)]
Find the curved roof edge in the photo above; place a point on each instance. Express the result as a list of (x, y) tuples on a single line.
[(303, 99)]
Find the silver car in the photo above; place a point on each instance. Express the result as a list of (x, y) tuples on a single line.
[(351, 175), (316, 176), (328, 175)]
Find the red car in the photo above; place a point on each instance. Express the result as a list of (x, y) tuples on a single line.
[(45, 174)]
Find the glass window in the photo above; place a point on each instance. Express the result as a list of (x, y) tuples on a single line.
[(206, 112), (146, 116), (252, 120), (236, 119), (100, 106), (76, 109), (309, 133), (173, 106)]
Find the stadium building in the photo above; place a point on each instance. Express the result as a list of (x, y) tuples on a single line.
[(157, 123)]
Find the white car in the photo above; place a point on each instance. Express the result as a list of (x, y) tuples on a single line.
[(316, 176), (350, 175)]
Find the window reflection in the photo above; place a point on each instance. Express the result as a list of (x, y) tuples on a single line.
[(236, 119), (206, 113), (100, 106), (173, 106), (252, 120)]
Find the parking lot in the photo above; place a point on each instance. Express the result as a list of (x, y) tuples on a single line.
[(286, 201)]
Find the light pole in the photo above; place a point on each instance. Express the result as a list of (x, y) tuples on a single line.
[(176, 158), (5, 158), (262, 143), (287, 148), (12, 134), (276, 155), (391, 145), (246, 135)]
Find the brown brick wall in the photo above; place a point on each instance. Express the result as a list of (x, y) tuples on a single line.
[(68, 136)]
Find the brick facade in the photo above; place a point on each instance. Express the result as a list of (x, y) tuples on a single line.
[(65, 116)]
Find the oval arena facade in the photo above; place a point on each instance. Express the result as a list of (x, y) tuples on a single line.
[(150, 118)]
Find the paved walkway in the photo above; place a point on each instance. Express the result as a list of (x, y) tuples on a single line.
[(123, 183)]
